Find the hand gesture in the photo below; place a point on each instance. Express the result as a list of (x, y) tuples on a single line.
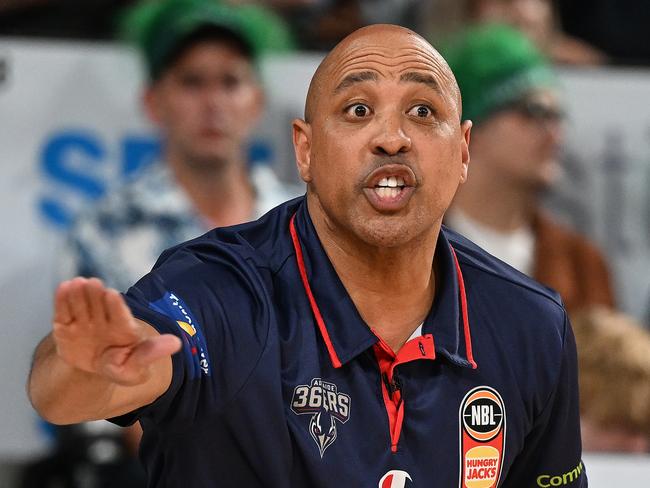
[(94, 331)]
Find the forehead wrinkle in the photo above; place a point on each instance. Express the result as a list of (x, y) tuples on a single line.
[(383, 58), (419, 71), (371, 52)]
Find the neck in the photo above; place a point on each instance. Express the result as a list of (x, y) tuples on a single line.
[(221, 192), (392, 288), (494, 203)]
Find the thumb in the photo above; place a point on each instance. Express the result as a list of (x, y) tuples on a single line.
[(155, 348), (130, 366)]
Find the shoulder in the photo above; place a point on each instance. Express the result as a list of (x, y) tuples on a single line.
[(491, 271), (254, 248), (506, 303)]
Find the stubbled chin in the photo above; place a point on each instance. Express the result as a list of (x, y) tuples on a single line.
[(386, 231)]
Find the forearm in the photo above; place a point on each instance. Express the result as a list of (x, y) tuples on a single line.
[(63, 394)]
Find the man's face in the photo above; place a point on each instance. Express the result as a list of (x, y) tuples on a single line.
[(206, 103), (383, 152), (521, 144)]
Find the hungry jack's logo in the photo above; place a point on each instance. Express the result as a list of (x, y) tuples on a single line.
[(326, 405), (482, 438)]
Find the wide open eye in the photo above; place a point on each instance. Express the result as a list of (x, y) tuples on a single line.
[(358, 110), (421, 111)]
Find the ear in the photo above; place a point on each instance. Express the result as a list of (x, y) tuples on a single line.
[(301, 132), (465, 129)]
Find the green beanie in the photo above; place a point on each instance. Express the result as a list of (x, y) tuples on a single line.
[(157, 27), (494, 65)]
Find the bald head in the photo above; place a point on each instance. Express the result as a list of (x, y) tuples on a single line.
[(389, 40)]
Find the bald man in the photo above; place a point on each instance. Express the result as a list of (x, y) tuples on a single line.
[(344, 339)]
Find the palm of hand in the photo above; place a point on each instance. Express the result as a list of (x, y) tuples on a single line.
[(95, 332)]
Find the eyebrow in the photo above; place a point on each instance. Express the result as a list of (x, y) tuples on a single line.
[(415, 77), (354, 78)]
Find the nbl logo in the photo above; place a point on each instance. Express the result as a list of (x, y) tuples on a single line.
[(482, 435), (483, 416), (322, 400)]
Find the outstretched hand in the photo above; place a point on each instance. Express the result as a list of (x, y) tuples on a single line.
[(94, 331)]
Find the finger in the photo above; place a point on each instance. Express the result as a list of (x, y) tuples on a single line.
[(62, 311), (77, 301), (116, 309), (94, 291)]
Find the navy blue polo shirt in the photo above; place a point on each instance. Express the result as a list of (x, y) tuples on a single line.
[(280, 382)]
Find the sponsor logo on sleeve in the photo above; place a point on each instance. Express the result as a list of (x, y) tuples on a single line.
[(326, 406), (194, 345), (482, 438), (547, 480)]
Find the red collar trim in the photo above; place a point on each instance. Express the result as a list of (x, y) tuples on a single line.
[(336, 362), (463, 307)]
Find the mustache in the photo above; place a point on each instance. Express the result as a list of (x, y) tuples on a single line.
[(386, 160)]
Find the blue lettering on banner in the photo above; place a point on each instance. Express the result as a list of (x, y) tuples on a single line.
[(138, 152), (70, 159)]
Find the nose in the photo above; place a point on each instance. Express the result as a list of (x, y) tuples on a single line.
[(215, 96), (390, 138)]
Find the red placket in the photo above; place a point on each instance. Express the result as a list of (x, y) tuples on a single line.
[(421, 347)]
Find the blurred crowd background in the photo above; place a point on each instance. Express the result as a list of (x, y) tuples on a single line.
[(129, 126)]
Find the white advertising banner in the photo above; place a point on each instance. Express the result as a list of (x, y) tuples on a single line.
[(71, 127), (605, 189)]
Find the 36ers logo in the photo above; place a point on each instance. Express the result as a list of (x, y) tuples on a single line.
[(482, 438), (394, 479), (326, 405)]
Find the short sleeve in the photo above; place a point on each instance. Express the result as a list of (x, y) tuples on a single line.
[(218, 308), (552, 450)]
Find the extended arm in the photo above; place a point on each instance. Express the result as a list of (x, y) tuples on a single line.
[(99, 361)]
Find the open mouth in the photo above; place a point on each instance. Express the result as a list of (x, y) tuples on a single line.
[(389, 187)]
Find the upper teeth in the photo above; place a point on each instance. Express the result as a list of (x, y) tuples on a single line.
[(392, 182)]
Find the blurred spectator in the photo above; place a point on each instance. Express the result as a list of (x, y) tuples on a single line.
[(510, 93), (538, 19), (205, 97), (614, 365)]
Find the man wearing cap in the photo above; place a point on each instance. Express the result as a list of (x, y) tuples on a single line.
[(345, 339), (204, 96), (510, 93)]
